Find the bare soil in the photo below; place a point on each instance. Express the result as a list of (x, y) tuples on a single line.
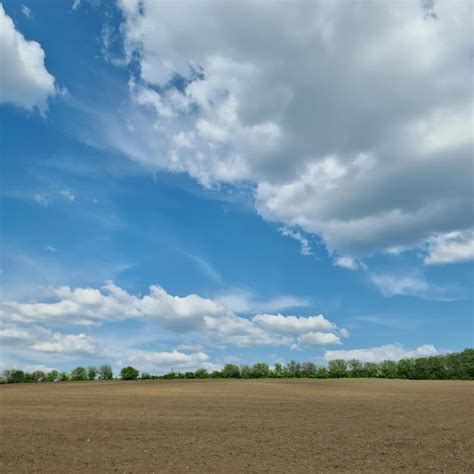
[(238, 426)]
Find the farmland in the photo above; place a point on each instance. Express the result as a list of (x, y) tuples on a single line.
[(238, 425)]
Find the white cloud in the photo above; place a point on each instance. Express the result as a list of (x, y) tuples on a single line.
[(34, 339), (305, 248), (69, 344), (293, 324), (411, 285), (349, 263), (386, 352), (163, 361), (318, 339), (453, 247), (203, 317), (25, 82), (372, 160)]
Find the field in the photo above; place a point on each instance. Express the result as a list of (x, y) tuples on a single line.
[(345, 425)]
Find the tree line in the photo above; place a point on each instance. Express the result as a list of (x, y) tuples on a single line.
[(454, 366)]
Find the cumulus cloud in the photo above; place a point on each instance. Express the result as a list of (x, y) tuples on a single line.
[(210, 320), (25, 82), (316, 338), (68, 344), (293, 324), (453, 247), (163, 361), (371, 160), (37, 339), (386, 352)]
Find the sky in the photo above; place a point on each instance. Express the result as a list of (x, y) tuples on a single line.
[(189, 184)]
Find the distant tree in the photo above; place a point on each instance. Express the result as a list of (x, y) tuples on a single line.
[(201, 373), (129, 373), (388, 369), (277, 370), (245, 371), (292, 369), (371, 369), (52, 376), (14, 376), (145, 376), (63, 377), (406, 368), (105, 372), (355, 368), (230, 371), (28, 377), (322, 373), (260, 370), (38, 376), (79, 373), (337, 368), (308, 369), (91, 372), (189, 375)]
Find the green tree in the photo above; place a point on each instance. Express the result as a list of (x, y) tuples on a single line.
[(355, 368), (245, 371), (129, 373), (79, 373), (277, 370), (91, 372), (371, 369), (406, 368), (337, 368), (38, 376), (52, 376), (63, 377), (308, 369), (293, 369), (14, 376), (230, 371), (388, 369), (260, 370), (322, 373), (202, 373), (105, 372)]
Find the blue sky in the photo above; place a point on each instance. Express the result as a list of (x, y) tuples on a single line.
[(295, 189)]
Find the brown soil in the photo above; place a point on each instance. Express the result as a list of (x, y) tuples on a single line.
[(235, 426)]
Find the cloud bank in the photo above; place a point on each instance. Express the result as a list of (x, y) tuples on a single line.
[(350, 121)]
